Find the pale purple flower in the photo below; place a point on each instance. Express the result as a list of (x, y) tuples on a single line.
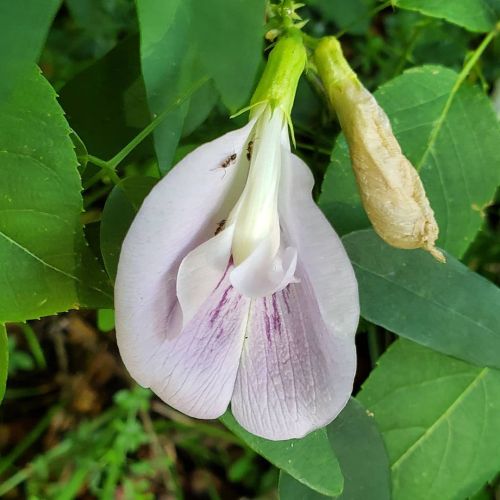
[(232, 287)]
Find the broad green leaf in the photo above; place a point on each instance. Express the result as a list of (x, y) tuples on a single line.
[(446, 307), (310, 460), (201, 104), (94, 288), (119, 211), (455, 148), (106, 103), (169, 66), (91, 269), (291, 489), (352, 16), (474, 15), (230, 41), (4, 360), (440, 419), (23, 27), (104, 21), (358, 445), (43, 261)]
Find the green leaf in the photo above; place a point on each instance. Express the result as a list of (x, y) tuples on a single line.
[(231, 52), (446, 307), (291, 489), (42, 250), (310, 460), (353, 16), (94, 288), (23, 27), (455, 149), (358, 445), (184, 43), (474, 15), (169, 66), (106, 103), (440, 418), (119, 211), (4, 360), (201, 104)]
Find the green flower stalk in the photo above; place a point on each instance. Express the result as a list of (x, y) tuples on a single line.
[(278, 84), (391, 190)]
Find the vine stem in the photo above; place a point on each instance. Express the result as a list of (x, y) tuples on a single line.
[(475, 57)]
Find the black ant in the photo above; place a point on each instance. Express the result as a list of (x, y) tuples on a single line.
[(220, 226), (249, 150), (228, 161)]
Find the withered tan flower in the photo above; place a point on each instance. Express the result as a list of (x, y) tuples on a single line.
[(391, 190)]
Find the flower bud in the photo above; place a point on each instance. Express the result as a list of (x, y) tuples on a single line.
[(391, 190)]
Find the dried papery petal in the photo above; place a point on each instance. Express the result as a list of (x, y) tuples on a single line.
[(391, 190)]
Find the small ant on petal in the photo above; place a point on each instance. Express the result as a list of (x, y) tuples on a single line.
[(220, 226), (249, 150), (227, 161)]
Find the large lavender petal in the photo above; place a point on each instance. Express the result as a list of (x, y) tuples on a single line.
[(195, 371), (181, 212), (320, 251), (299, 359), (294, 375)]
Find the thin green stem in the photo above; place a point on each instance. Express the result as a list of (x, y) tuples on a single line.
[(115, 179), (475, 57), (34, 345), (458, 83), (13, 481), (26, 392), (105, 171), (98, 176), (75, 483), (121, 155), (374, 347), (410, 45), (97, 161), (96, 195), (316, 149)]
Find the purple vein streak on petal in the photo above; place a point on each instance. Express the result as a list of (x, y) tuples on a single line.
[(286, 294), (267, 323), (229, 266), (215, 313), (199, 366), (276, 317)]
